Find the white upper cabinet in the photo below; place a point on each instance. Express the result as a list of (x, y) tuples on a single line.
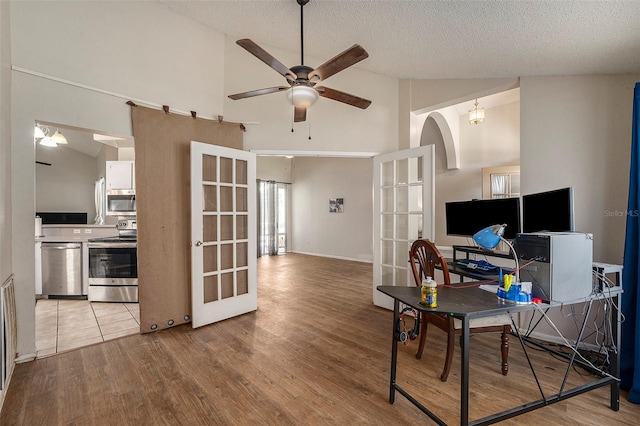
[(121, 175)]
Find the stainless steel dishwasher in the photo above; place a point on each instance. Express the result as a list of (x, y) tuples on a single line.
[(62, 269)]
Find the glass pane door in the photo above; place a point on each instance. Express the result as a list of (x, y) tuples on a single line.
[(403, 203), (223, 233)]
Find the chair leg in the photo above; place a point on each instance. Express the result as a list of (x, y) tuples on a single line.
[(504, 348), (423, 335), (449, 357)]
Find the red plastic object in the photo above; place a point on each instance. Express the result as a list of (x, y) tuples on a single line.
[(536, 300)]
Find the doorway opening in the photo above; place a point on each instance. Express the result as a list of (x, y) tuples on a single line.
[(273, 213), (66, 177)]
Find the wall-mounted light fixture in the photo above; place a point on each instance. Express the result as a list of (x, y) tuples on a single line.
[(42, 134), (476, 115), (59, 138)]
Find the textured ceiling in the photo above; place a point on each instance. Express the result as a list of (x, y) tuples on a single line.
[(442, 39)]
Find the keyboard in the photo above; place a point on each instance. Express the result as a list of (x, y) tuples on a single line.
[(478, 265)]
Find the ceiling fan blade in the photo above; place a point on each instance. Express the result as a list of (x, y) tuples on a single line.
[(266, 57), (343, 97), (300, 114), (258, 92), (351, 56)]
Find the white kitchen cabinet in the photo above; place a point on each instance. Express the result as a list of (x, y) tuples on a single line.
[(121, 175)]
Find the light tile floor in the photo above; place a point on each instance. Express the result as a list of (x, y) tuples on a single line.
[(64, 324)]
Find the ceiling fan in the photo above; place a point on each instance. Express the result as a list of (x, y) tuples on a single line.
[(303, 80)]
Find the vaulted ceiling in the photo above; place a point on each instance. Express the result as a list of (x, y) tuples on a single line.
[(442, 39)]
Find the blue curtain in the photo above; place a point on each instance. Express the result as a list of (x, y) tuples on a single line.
[(630, 348)]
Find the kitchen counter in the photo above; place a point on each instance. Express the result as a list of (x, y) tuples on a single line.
[(80, 238), (80, 226), (73, 233)]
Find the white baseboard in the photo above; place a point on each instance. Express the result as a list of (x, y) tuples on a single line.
[(25, 358), (331, 256)]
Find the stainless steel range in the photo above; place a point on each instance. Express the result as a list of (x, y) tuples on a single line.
[(113, 265)]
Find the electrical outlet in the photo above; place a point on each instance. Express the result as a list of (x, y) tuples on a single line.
[(88, 231), (76, 231)]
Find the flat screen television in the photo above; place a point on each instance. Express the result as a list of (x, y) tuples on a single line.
[(465, 218), (550, 211)]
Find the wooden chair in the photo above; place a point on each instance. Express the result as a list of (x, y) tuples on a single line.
[(425, 255)]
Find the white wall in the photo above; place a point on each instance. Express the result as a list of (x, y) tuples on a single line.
[(333, 126), (138, 49), (273, 168), (6, 268), (576, 131), (345, 235), (67, 185), (126, 154)]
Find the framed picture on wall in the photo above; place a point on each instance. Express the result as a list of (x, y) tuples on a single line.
[(336, 205)]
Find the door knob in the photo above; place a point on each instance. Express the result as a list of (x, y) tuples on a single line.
[(198, 243)]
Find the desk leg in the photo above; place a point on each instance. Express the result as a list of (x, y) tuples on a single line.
[(464, 380), (615, 357), (574, 352), (394, 352)]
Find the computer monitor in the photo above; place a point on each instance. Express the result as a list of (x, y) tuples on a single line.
[(549, 211), (465, 218)]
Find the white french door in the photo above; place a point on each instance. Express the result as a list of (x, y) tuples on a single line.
[(223, 233), (403, 201)]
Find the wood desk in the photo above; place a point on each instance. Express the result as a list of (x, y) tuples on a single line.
[(470, 303)]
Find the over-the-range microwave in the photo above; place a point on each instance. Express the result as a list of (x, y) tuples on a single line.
[(121, 202)]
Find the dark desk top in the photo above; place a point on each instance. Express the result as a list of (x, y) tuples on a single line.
[(457, 300)]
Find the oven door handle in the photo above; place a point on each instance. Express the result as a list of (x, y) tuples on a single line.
[(112, 245)]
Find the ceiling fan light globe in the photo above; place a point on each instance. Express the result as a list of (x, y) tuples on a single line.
[(302, 96)]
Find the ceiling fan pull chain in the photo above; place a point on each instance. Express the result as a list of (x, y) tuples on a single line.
[(309, 122), (292, 115)]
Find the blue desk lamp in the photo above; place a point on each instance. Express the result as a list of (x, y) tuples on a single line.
[(490, 237)]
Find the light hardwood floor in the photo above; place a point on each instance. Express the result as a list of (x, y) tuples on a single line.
[(316, 352)]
